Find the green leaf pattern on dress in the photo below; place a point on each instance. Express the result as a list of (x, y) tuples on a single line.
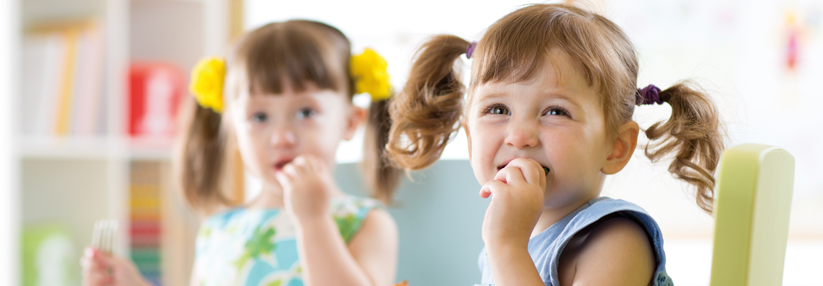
[(260, 244)]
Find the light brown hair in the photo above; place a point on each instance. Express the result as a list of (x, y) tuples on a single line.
[(265, 61), (429, 110)]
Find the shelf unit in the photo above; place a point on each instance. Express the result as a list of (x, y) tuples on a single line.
[(75, 180)]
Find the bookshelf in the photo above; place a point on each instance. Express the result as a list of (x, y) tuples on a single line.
[(68, 157)]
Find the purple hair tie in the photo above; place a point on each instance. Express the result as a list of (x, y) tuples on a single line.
[(471, 50), (649, 95)]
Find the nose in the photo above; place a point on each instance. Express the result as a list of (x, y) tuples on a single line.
[(283, 136), (522, 135)]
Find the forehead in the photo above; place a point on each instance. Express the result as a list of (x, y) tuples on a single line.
[(560, 75)]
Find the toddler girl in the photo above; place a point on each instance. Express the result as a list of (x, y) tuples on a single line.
[(288, 104), (548, 115)]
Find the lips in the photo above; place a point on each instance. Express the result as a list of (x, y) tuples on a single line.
[(278, 165)]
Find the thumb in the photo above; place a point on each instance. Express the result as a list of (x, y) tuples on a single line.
[(283, 179)]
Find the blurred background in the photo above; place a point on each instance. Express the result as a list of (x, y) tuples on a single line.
[(89, 91)]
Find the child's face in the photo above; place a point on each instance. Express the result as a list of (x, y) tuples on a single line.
[(274, 129), (554, 119)]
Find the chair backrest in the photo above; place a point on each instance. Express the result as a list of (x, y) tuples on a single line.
[(751, 209)]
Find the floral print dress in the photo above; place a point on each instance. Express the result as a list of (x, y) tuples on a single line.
[(259, 247)]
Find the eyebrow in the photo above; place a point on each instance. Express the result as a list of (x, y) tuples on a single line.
[(561, 95)]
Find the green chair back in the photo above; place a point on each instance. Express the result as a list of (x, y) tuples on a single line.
[(751, 209)]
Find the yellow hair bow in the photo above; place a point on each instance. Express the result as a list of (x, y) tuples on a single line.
[(370, 75), (207, 79)]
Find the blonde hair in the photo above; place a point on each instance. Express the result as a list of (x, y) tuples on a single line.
[(428, 112), (268, 60)]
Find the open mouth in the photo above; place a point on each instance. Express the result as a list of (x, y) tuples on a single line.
[(280, 164), (545, 169)]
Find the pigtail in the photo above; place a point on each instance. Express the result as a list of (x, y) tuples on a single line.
[(693, 134), (381, 176), (200, 158), (425, 115)]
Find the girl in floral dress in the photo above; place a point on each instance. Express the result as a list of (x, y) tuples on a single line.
[(284, 97)]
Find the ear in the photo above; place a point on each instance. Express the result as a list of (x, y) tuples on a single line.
[(356, 117), (622, 148)]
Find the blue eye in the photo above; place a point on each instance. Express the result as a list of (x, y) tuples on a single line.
[(306, 113), (498, 109), (259, 117), (556, 110)]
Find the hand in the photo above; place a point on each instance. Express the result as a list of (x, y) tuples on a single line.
[(307, 188), (518, 191), (103, 269)]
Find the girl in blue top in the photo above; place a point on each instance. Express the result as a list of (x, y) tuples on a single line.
[(548, 115), (288, 104)]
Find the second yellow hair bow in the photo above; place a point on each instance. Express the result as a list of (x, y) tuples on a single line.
[(370, 75)]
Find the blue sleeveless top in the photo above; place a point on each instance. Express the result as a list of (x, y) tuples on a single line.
[(546, 247)]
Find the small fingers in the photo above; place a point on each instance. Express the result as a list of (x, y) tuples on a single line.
[(529, 170), (291, 169), (485, 192), (284, 179), (491, 187), (501, 175), (95, 268)]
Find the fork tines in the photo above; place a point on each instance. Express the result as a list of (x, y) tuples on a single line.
[(105, 234)]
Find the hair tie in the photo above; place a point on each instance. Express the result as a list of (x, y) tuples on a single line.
[(648, 95), (370, 74), (471, 50), (207, 83)]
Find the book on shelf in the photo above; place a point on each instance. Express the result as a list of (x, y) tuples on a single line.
[(63, 83), (145, 218)]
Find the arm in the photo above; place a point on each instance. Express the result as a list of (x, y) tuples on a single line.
[(195, 280), (617, 252), (374, 247), (308, 187), (512, 265), (370, 258), (516, 205)]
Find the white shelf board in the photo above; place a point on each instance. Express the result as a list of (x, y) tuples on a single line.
[(42, 147), (94, 148)]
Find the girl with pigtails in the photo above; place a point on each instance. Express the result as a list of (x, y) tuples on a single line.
[(548, 115), (284, 97)]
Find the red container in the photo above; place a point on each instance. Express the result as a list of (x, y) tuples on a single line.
[(155, 92)]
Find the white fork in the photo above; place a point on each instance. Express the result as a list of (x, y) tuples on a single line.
[(104, 236)]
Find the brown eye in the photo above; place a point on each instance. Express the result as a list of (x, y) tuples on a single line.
[(556, 110), (498, 110)]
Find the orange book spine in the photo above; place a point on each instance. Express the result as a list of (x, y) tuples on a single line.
[(67, 84)]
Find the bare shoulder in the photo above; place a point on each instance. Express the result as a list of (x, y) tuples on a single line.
[(374, 246), (377, 234), (614, 252), (377, 220)]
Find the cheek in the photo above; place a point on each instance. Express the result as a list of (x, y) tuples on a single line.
[(482, 150), (321, 139), (251, 151)]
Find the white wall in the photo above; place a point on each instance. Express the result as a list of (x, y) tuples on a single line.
[(9, 194)]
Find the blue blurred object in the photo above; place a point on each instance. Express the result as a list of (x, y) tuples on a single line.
[(439, 216)]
